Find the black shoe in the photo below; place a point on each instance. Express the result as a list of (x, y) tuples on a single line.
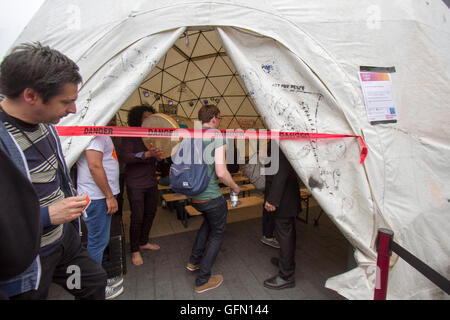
[(274, 261), (278, 283)]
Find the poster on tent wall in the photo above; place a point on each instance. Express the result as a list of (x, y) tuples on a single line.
[(378, 97)]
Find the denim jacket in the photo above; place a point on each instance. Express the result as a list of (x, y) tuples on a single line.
[(29, 279)]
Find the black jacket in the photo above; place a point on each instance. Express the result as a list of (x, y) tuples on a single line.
[(20, 225), (282, 190)]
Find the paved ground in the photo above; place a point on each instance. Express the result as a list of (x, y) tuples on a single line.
[(244, 262)]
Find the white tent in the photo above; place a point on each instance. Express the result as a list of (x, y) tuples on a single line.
[(299, 61), (197, 70)]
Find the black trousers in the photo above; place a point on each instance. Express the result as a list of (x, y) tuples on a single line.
[(143, 205), (64, 265), (268, 224), (286, 236)]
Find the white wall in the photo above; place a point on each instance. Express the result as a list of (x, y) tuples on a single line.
[(14, 16)]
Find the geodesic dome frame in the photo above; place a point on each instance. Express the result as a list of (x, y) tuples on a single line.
[(196, 71)]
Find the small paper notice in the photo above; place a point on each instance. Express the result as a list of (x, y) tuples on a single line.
[(378, 97)]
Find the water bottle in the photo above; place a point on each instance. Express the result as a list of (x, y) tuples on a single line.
[(234, 199)]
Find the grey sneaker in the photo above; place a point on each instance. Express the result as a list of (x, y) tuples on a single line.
[(111, 293), (270, 242), (114, 282)]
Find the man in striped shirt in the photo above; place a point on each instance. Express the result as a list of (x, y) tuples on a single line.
[(41, 85)]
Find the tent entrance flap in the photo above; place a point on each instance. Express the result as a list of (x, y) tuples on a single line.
[(258, 83), (197, 70)]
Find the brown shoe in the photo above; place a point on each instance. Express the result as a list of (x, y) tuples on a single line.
[(213, 282), (192, 267)]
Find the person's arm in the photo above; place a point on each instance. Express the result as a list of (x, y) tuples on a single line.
[(68, 209), (153, 152), (95, 165), (129, 156), (221, 169), (63, 211), (278, 185)]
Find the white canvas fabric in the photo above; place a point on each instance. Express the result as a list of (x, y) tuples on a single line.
[(85, 181), (318, 46)]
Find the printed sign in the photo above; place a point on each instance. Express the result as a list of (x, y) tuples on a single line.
[(378, 97)]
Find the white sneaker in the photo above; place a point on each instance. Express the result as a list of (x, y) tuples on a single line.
[(111, 293), (114, 282)]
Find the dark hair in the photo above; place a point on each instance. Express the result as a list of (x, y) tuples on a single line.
[(40, 68), (207, 112), (135, 115)]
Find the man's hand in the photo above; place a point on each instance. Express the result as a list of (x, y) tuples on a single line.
[(236, 189), (112, 205), (269, 207), (66, 210)]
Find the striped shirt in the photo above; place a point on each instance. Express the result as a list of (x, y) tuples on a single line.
[(40, 151)]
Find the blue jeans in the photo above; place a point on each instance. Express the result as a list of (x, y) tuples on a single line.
[(98, 224), (209, 238)]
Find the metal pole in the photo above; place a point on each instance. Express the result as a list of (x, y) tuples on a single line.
[(384, 246)]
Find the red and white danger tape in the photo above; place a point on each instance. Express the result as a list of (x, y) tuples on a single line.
[(175, 133)]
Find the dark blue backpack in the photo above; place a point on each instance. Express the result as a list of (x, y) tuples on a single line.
[(189, 171)]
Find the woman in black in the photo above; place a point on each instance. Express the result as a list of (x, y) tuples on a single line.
[(142, 185)]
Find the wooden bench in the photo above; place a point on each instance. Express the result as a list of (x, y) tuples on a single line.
[(191, 211), (236, 179), (171, 197), (244, 188), (243, 203), (164, 188)]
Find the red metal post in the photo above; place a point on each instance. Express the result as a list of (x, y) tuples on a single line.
[(384, 241)]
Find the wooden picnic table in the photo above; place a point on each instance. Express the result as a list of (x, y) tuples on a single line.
[(242, 203), (170, 197)]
